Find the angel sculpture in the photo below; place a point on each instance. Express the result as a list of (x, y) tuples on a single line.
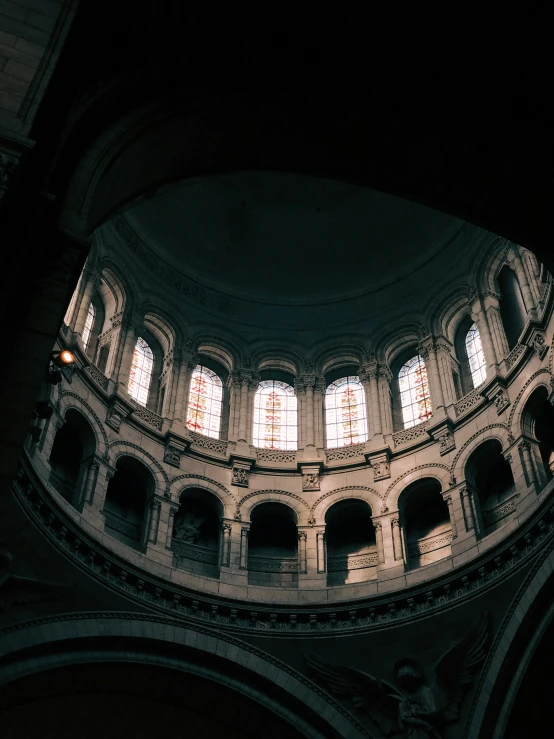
[(410, 708)]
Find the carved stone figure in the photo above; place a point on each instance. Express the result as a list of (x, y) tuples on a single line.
[(187, 528), (240, 477), (410, 708), (310, 481)]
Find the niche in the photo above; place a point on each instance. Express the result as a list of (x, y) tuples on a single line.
[(273, 546), (427, 528), (125, 505), (490, 479), (73, 447), (195, 539), (351, 547)]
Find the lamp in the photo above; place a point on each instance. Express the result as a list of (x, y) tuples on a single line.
[(62, 361)]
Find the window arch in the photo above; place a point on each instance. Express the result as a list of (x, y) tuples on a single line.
[(89, 323), (205, 402), (475, 356), (415, 398), (140, 377), (275, 416), (345, 412)]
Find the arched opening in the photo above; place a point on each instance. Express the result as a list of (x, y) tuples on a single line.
[(72, 450), (275, 423), (351, 546), (469, 353), (125, 504), (491, 482), (538, 424), (426, 520), (273, 546), (411, 397), (196, 533), (205, 402), (512, 307)]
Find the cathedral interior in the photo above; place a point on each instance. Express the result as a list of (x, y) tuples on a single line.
[(277, 430)]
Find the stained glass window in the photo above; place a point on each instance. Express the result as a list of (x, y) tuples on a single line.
[(275, 416), (475, 356), (415, 398), (345, 412), (205, 402), (89, 323), (141, 372)]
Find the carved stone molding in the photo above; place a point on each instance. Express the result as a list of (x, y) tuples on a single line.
[(239, 474), (380, 463), (310, 477)]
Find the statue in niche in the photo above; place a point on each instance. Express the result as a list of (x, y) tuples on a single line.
[(187, 528), (410, 708)]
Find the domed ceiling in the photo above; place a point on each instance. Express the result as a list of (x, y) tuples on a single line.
[(285, 251)]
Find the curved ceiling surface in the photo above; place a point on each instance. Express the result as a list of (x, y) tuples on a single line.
[(286, 239)]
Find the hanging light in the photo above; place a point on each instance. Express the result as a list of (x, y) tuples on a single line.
[(63, 359)]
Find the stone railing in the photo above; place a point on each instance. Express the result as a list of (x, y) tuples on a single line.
[(272, 564), (352, 562), (275, 456), (412, 434), (513, 357), (500, 511), (206, 442), (122, 525), (185, 550), (345, 452), (147, 416), (99, 378), (469, 400), (430, 543)]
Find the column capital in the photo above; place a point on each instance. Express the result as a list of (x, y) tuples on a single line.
[(368, 371), (426, 346), (442, 344)]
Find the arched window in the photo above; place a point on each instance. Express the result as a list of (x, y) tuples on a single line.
[(345, 412), (415, 399), (141, 372), (89, 323), (275, 416), (205, 402), (475, 356)]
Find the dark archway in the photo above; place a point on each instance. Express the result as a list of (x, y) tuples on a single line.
[(538, 423), (73, 448), (426, 521), (350, 539), (195, 540), (273, 546), (125, 505), (492, 484)]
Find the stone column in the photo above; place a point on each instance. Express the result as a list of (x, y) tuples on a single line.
[(302, 560), (187, 364), (479, 316), (300, 392), (252, 387), (378, 526), (529, 468), (444, 357), (225, 559), (467, 507), (89, 483), (497, 329), (245, 378), (368, 375), (321, 563), (385, 378), (173, 509), (310, 438), (448, 501), (233, 383), (519, 269), (244, 533), (397, 539), (154, 520), (319, 394), (130, 328), (92, 280), (427, 352)]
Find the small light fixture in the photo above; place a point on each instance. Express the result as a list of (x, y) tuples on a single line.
[(63, 358)]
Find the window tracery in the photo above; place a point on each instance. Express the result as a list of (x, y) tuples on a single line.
[(89, 323), (205, 402), (345, 412), (141, 372), (475, 356), (275, 416), (415, 398)]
